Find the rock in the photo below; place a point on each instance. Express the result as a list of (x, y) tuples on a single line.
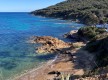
[(72, 35), (50, 44)]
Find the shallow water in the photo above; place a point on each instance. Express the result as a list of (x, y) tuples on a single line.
[(16, 55)]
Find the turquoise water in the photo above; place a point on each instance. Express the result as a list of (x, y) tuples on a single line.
[(16, 55)]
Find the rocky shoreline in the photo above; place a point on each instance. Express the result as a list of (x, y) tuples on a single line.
[(71, 61), (68, 60), (50, 44)]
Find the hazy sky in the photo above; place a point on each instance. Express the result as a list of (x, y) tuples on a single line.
[(25, 5)]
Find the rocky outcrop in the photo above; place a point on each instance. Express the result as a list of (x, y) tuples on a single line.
[(72, 35), (50, 44)]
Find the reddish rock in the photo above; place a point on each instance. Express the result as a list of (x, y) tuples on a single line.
[(50, 44)]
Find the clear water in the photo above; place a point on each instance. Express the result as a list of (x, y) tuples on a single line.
[(16, 55)]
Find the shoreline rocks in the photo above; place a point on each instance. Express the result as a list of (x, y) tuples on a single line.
[(50, 44), (70, 59), (72, 35)]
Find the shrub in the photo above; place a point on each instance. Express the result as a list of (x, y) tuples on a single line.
[(100, 47), (90, 32)]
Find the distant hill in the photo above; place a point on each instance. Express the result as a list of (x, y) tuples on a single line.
[(89, 12)]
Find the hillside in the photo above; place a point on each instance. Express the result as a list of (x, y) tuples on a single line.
[(89, 12), (96, 39), (98, 46), (98, 43)]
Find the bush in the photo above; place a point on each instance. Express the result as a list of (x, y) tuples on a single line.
[(90, 32), (100, 47)]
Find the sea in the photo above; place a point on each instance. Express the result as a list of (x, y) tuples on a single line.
[(17, 55)]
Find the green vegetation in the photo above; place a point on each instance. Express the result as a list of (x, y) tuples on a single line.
[(90, 32), (100, 47), (97, 45), (90, 12)]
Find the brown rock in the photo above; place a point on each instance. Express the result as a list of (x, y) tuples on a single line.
[(50, 44)]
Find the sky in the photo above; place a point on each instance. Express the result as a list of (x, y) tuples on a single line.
[(25, 5)]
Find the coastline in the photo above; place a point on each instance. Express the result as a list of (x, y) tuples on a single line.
[(68, 20), (78, 65), (48, 65), (64, 67), (36, 70), (60, 64), (71, 60), (33, 70)]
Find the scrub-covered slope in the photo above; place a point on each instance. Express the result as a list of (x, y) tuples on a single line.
[(89, 12)]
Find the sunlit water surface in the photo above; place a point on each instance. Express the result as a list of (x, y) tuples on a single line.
[(16, 55)]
